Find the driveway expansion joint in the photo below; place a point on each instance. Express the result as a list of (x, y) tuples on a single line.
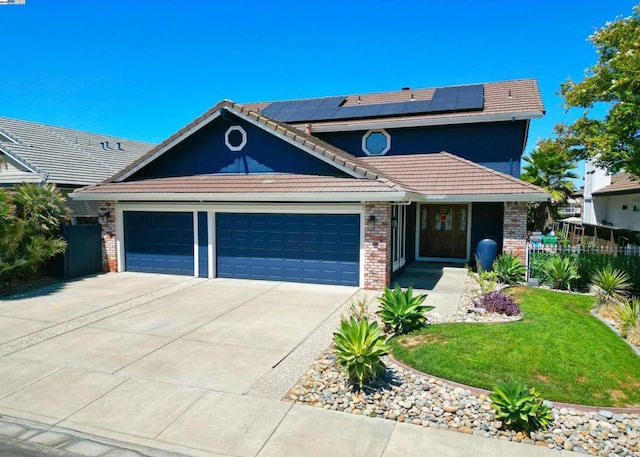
[(59, 329)]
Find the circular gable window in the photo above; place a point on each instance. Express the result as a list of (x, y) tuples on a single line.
[(235, 138), (376, 142)]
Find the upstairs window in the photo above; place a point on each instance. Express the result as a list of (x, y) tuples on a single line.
[(376, 142), (235, 138)]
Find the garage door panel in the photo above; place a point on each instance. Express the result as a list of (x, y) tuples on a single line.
[(310, 248), (159, 242)]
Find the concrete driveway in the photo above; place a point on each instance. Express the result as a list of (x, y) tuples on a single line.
[(187, 365)]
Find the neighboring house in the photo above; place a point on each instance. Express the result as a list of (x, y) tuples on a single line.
[(618, 204), (336, 190), (38, 153), (594, 178)]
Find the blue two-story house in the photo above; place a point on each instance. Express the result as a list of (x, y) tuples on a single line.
[(335, 190)]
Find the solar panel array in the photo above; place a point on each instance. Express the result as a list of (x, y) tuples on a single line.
[(446, 99)]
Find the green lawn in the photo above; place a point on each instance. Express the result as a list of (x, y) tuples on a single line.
[(559, 348)]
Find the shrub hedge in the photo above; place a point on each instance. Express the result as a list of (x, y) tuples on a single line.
[(588, 263)]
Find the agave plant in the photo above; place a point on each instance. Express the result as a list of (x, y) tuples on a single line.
[(629, 313), (611, 284), (509, 269), (359, 346), (560, 272), (401, 312), (520, 408)]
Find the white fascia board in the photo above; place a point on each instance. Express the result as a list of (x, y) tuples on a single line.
[(291, 141), (483, 198), (168, 146), (248, 197), (12, 156), (402, 123)]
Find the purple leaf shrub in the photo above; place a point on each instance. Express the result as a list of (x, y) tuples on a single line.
[(498, 302)]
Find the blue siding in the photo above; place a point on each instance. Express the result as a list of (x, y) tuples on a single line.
[(158, 242), (205, 152), (203, 245), (486, 222), (312, 248), (497, 145)]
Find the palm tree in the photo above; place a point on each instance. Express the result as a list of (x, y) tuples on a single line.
[(549, 166)]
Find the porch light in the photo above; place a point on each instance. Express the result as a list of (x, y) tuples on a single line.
[(371, 222), (104, 217)]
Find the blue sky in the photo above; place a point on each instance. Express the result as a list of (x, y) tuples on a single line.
[(143, 69)]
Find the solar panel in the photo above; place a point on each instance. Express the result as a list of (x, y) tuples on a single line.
[(389, 109), (284, 116), (299, 105), (418, 106), (369, 110), (445, 99), (445, 92), (332, 102), (469, 103), (323, 114), (442, 104), (313, 104), (470, 91)]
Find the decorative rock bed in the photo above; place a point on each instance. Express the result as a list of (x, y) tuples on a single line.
[(408, 396)]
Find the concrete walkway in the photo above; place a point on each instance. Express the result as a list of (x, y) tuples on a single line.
[(159, 365)]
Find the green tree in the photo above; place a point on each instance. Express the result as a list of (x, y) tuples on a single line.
[(549, 166), (614, 142), (30, 219)]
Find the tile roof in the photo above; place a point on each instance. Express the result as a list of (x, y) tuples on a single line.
[(438, 175), (256, 183), (622, 183), (447, 174), (66, 156), (500, 98)]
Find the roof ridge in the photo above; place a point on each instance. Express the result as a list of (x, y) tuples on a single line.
[(369, 171), (492, 171), (75, 146)]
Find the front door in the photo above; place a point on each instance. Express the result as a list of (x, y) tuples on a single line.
[(443, 231)]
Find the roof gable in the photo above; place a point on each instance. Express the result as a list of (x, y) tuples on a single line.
[(206, 152), (336, 158)]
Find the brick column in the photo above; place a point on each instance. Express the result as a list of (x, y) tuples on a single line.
[(515, 229), (377, 246), (108, 232)]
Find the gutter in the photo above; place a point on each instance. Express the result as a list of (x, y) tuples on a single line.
[(401, 123), (249, 197), (308, 197)]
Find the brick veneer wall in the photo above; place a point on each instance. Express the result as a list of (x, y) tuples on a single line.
[(515, 229), (377, 246), (108, 232)]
